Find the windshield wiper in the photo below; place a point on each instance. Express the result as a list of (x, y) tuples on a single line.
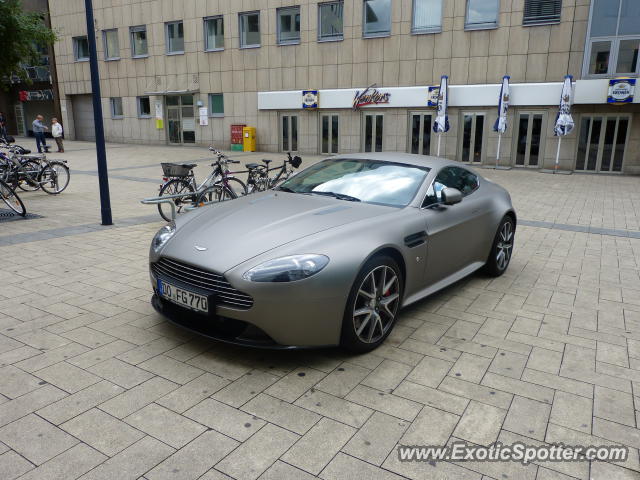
[(286, 189), (339, 196)]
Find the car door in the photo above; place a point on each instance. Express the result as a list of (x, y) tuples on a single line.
[(451, 229)]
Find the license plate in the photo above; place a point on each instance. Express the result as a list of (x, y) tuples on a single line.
[(184, 298)]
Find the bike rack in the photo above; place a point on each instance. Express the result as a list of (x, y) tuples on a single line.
[(164, 199)]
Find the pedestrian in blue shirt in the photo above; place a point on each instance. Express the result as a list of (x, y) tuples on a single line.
[(38, 130)]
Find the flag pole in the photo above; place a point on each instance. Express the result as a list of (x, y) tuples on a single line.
[(439, 137), (555, 168), (498, 153)]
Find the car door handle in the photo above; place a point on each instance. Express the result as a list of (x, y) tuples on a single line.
[(415, 239)]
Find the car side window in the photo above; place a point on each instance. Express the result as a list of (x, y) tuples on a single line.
[(451, 177)]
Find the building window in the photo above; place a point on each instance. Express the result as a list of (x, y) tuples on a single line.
[(602, 143), (377, 18), (330, 21), (481, 14), (81, 49), (111, 45), (288, 20), (427, 16), (472, 140), (614, 38), (541, 12), (144, 107), (175, 37), (116, 107), (139, 46), (216, 105), (214, 33), (249, 29)]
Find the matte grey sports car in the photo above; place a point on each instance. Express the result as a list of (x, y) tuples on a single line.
[(331, 255)]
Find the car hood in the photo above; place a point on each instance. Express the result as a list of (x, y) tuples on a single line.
[(236, 231)]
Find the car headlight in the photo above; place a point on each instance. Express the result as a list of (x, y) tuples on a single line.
[(287, 269), (163, 236)]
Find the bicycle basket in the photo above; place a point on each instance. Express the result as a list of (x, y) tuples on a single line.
[(176, 169), (296, 161)]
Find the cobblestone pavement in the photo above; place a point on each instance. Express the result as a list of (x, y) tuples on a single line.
[(95, 385)]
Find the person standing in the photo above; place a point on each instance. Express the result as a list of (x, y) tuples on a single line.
[(56, 132), (3, 125), (38, 130)]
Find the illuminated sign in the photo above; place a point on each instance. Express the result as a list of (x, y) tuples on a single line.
[(370, 96)]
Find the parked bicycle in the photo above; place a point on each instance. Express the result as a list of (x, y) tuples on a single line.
[(258, 179), (11, 199), (180, 183)]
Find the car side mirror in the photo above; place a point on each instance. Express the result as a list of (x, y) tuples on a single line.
[(451, 196)]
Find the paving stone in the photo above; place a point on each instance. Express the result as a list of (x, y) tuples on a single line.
[(284, 471), (142, 353), (609, 470), (345, 467), (527, 417), (319, 445), (35, 439), (38, 362), (282, 413), (624, 434), (225, 419), (480, 393), (100, 354), (195, 458), (167, 426), (171, 369), (18, 354), (14, 382), (220, 366), (258, 453), (614, 405), (291, 386), (73, 463), (343, 379), (120, 373), (432, 397), (192, 393), (418, 470), (136, 398), (431, 426), (518, 387), (240, 391), (480, 423), (430, 372), (13, 465), (545, 360), (572, 411), (42, 340), (508, 364), (29, 402), (89, 337), (470, 367), (558, 382), (336, 408), (384, 402), (377, 438), (67, 377)]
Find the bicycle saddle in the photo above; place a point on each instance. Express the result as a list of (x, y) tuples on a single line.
[(251, 166), (267, 161)]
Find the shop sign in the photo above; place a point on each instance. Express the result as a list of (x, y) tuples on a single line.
[(35, 95), (621, 90), (310, 99), (432, 100), (159, 115), (370, 96)]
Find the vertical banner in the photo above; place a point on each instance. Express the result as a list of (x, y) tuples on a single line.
[(159, 115), (564, 121), (503, 107), (203, 113), (441, 123)]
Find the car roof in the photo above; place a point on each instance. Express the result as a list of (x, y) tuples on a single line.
[(399, 157)]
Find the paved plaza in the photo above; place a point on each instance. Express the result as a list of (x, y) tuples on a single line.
[(95, 385)]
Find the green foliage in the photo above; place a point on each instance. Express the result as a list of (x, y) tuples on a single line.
[(20, 34)]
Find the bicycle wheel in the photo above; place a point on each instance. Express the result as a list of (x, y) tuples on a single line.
[(28, 176), (175, 186), (54, 178), (11, 198)]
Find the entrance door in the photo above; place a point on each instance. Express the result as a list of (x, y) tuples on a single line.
[(18, 110), (529, 140), (83, 121), (329, 133), (373, 132), (472, 138), (181, 121), (602, 142), (420, 133), (289, 133)]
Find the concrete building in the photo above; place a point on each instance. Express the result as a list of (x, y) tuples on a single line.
[(183, 72)]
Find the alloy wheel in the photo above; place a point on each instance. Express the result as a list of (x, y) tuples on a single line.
[(376, 304), (504, 247)]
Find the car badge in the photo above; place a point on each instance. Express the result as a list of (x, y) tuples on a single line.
[(199, 248)]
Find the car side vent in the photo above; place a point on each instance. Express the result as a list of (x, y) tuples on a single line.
[(415, 239)]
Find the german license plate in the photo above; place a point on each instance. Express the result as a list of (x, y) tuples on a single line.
[(184, 298)]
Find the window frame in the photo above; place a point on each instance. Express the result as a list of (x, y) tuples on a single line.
[(75, 41), (534, 23), (279, 10), (133, 30), (428, 30), (600, 151), (439, 201), (330, 38), (381, 34), (485, 136), (112, 104), (213, 114), (241, 15), (481, 26), (166, 38), (138, 103), (107, 58), (206, 37)]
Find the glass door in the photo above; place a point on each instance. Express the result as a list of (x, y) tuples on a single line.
[(472, 138), (529, 139), (329, 139), (420, 133), (289, 133), (181, 122), (601, 143), (373, 132)]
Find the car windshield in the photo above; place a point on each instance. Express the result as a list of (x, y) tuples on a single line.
[(370, 181)]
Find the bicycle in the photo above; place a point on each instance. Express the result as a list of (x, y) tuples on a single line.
[(259, 180), (180, 183), (32, 172), (11, 199)]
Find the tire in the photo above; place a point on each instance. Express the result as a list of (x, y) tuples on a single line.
[(54, 178), (175, 186), (11, 198), (237, 187), (502, 248), (359, 334), (29, 175)]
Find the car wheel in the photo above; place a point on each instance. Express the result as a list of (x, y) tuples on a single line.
[(373, 305), (502, 248)]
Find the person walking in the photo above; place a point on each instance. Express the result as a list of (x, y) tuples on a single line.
[(38, 130), (56, 132), (3, 125)]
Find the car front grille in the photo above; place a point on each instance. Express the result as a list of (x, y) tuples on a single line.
[(202, 279)]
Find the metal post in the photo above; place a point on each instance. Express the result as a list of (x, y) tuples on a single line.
[(498, 152), (103, 174), (555, 168)]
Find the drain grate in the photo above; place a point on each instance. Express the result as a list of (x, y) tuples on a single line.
[(7, 215)]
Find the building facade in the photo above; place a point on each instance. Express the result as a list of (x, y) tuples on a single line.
[(181, 72)]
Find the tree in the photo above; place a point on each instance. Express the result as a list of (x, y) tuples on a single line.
[(21, 35)]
